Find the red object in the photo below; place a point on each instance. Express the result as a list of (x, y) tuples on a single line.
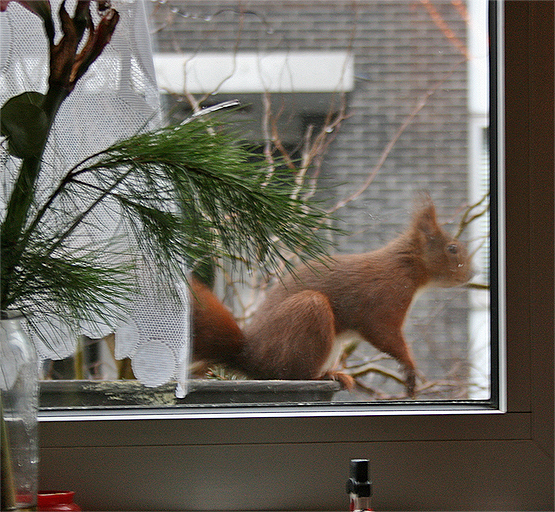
[(57, 501)]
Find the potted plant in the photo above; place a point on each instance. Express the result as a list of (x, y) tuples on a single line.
[(189, 194)]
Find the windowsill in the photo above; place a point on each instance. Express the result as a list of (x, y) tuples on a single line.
[(117, 400), (63, 395)]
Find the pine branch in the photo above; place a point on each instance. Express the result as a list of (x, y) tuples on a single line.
[(187, 193)]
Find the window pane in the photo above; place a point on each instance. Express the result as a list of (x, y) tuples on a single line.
[(369, 104), (398, 94)]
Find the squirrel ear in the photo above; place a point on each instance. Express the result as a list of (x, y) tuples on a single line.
[(425, 219)]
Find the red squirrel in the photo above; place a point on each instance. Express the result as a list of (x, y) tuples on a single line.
[(296, 332)]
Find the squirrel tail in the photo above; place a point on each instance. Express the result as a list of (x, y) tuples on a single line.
[(216, 336)]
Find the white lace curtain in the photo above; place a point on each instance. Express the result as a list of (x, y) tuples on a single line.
[(117, 97)]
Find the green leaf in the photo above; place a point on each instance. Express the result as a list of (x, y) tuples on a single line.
[(25, 123)]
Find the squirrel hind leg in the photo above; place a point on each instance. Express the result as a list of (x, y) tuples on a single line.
[(347, 381), (293, 339)]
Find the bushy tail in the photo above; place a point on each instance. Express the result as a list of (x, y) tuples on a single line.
[(216, 336)]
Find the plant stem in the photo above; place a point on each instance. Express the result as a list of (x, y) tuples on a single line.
[(22, 197)]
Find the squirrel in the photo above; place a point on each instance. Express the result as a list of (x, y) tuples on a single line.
[(296, 332)]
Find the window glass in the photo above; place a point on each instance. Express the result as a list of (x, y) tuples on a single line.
[(373, 106)]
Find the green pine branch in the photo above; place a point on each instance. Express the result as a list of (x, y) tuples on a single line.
[(188, 193)]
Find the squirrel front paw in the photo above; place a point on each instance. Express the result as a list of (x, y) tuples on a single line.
[(410, 383)]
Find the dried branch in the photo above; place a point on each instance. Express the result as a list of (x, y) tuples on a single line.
[(468, 216)]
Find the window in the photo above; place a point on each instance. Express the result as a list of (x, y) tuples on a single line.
[(381, 100), (420, 460)]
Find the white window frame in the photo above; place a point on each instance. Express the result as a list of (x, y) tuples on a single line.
[(421, 460), (479, 349)]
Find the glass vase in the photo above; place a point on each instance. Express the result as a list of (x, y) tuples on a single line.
[(18, 407)]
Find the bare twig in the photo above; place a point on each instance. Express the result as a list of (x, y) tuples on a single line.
[(468, 216)]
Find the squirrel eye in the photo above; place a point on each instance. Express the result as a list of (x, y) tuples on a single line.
[(452, 248)]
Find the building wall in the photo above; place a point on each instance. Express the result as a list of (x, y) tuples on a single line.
[(410, 58)]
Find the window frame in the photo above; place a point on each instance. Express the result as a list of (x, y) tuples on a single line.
[(510, 447)]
